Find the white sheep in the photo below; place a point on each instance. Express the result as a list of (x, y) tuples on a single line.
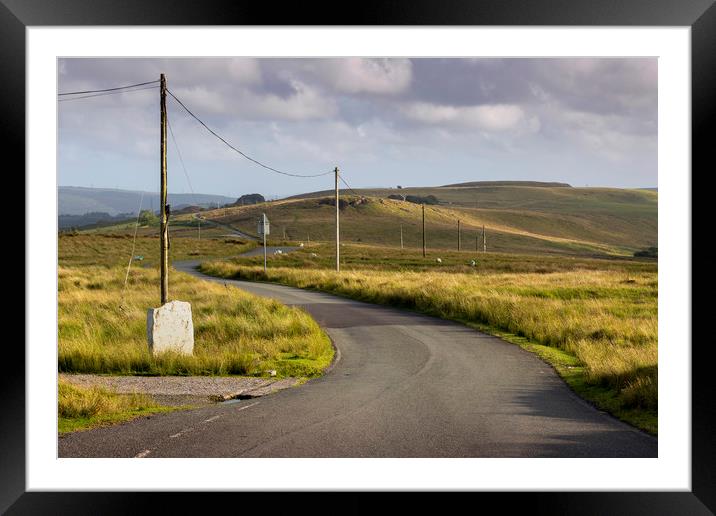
[(439, 260)]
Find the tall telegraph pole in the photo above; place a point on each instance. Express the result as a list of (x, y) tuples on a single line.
[(458, 234), (164, 216), (423, 231), (338, 233)]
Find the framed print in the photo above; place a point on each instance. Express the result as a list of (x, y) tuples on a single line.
[(413, 91)]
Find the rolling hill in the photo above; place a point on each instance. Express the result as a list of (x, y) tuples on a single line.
[(509, 183), (525, 219)]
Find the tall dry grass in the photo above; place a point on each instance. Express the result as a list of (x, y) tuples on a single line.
[(75, 402), (80, 408), (102, 327)]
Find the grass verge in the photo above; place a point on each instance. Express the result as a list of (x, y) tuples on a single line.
[(598, 328), (574, 373), (81, 408)]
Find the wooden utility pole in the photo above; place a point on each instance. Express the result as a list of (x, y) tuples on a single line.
[(401, 236), (484, 240), (458, 234), (338, 232), (423, 231), (164, 215)]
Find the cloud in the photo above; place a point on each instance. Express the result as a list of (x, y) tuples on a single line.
[(606, 86), (491, 118), (596, 85), (361, 75), (303, 103), (614, 137), (374, 114), (186, 72)]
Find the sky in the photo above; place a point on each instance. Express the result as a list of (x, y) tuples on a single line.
[(383, 122)]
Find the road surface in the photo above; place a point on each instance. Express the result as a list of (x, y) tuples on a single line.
[(233, 232), (404, 385)]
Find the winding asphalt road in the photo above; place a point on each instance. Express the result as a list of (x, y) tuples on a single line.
[(404, 385)]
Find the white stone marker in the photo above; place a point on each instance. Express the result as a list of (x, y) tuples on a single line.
[(170, 328)]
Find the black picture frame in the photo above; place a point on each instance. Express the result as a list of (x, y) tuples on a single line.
[(700, 15)]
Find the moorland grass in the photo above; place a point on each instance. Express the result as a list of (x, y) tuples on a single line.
[(82, 408), (115, 249), (601, 325), (102, 327), (383, 258)]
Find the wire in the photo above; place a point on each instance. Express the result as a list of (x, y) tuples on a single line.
[(181, 160), (108, 93), (107, 89), (134, 241), (239, 151), (349, 186), (186, 174)]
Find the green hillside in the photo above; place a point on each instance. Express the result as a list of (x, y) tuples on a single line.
[(525, 219)]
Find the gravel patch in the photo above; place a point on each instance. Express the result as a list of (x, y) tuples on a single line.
[(179, 390)]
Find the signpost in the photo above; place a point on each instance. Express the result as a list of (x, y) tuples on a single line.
[(264, 230)]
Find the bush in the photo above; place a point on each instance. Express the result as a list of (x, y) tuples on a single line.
[(649, 252), (148, 218)]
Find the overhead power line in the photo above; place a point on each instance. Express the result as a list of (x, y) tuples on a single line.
[(106, 93), (77, 95), (181, 160), (106, 89), (349, 186), (239, 151)]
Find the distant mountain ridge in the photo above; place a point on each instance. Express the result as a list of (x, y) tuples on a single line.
[(79, 200)]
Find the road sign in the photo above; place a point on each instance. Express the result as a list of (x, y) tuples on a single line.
[(264, 228)]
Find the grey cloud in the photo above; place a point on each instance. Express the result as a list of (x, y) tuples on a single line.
[(319, 110), (609, 85)]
